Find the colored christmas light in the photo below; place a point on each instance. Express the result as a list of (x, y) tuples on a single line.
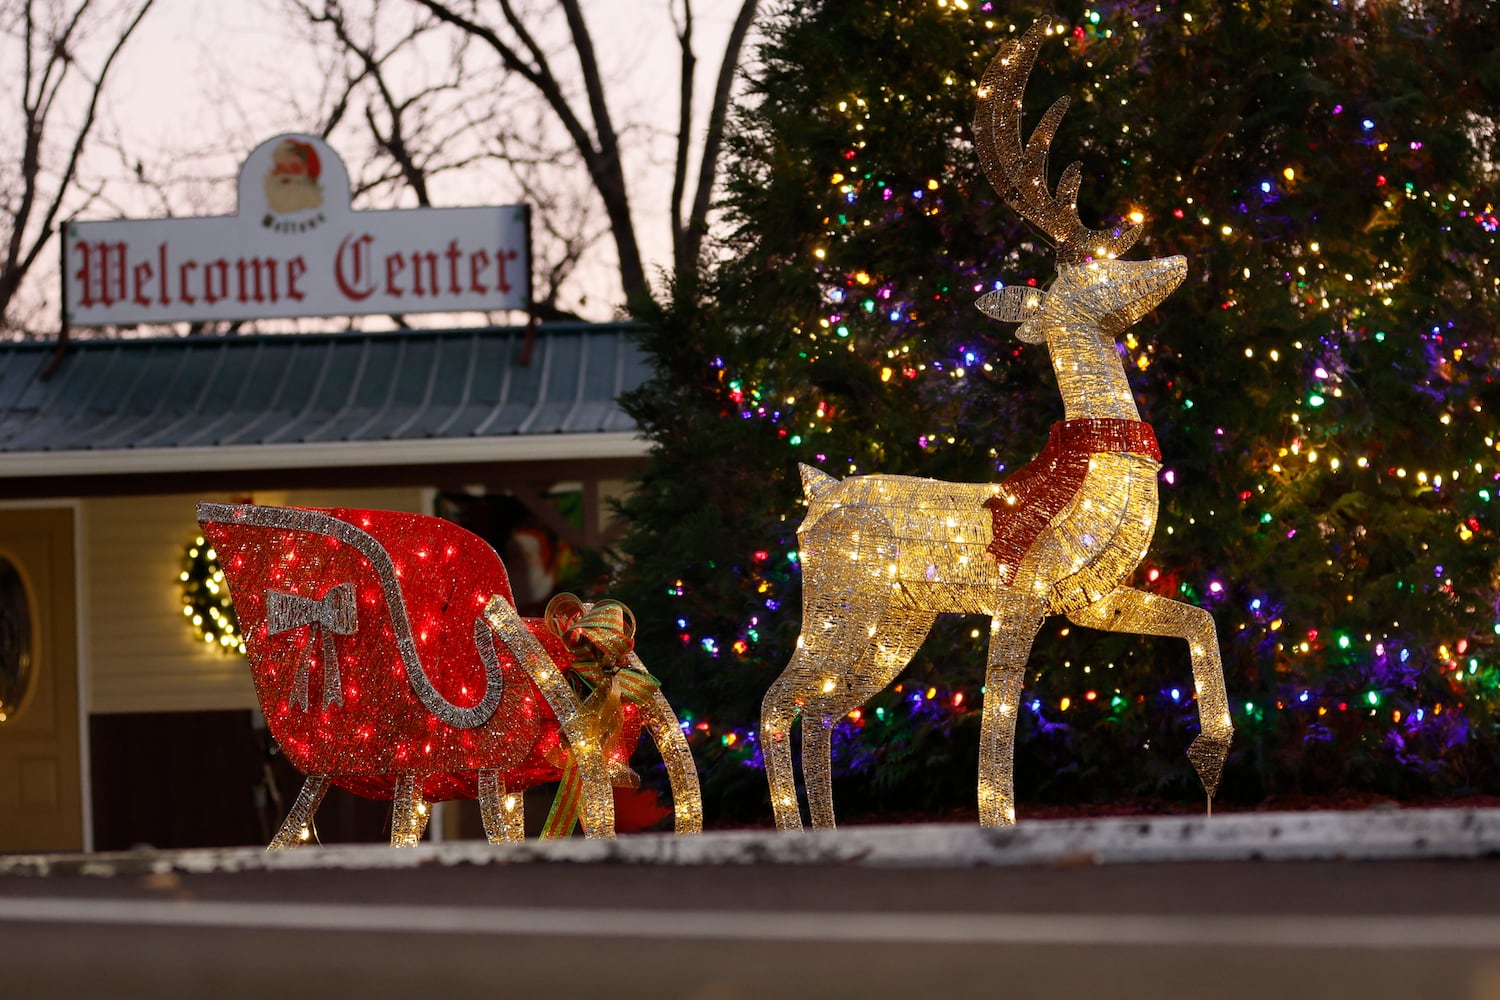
[(1355, 304), (884, 555)]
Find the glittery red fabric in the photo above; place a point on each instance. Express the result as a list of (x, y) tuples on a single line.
[(1042, 487), (443, 576)]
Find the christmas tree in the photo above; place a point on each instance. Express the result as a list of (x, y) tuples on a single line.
[(1321, 386)]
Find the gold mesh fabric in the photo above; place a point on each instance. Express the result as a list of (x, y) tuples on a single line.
[(502, 814), (682, 773), (1019, 172), (597, 809), (598, 805), (297, 828), (409, 812), (883, 555)]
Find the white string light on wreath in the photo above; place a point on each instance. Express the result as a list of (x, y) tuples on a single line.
[(205, 598)]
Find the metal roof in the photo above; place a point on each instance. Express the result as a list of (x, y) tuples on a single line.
[(411, 396)]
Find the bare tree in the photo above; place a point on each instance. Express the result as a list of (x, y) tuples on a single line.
[(687, 234), (591, 129), (411, 125), (410, 97), (66, 51), (565, 221), (424, 103), (433, 101)]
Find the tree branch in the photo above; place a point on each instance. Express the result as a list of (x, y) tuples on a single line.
[(394, 140), (713, 141), (37, 105), (600, 149), (686, 69)]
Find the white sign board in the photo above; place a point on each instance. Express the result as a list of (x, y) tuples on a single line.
[(296, 249)]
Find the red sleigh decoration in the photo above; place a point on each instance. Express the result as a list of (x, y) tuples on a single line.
[(389, 660)]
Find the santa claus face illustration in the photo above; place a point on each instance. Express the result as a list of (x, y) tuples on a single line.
[(292, 184)]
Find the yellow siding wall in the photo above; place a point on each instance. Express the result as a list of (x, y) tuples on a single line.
[(142, 655)]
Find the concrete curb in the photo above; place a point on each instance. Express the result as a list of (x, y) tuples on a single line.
[(1377, 835)]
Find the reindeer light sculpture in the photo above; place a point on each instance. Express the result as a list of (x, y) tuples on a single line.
[(882, 556)]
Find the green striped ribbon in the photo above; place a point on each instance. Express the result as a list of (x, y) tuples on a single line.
[(600, 639)]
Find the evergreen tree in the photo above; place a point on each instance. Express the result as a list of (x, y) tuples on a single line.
[(1321, 387)]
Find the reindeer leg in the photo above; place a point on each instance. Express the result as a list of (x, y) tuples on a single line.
[(687, 799), (778, 712), (502, 814), (897, 637), (1135, 611), (409, 812), (821, 670), (1012, 630), (817, 763), (846, 589), (297, 827)]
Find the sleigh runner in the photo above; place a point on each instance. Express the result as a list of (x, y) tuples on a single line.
[(389, 660)]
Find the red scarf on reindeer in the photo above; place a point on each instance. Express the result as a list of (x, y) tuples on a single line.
[(1038, 491)]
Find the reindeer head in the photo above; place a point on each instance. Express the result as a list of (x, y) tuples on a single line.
[(1093, 286)]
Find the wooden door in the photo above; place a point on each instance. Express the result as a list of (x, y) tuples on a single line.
[(41, 782)]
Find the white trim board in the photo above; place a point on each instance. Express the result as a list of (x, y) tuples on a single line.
[(339, 454)]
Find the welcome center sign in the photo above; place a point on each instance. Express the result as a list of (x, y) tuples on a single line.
[(295, 248)]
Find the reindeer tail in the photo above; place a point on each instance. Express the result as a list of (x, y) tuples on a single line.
[(815, 482)]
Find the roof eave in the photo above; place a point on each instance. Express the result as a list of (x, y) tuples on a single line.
[(340, 454)]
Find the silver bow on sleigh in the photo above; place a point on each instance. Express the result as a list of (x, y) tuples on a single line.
[(333, 615)]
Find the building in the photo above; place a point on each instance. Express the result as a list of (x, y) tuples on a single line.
[(118, 723)]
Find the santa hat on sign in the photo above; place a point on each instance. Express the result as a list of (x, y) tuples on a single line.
[(309, 157)]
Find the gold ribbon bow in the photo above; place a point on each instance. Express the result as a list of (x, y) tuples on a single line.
[(600, 638), (330, 616)]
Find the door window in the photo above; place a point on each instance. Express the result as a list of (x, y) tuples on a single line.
[(16, 653)]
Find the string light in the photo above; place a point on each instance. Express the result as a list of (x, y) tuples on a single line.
[(886, 554), (428, 684), (206, 604), (1347, 301)]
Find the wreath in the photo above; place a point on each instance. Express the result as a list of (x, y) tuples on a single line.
[(205, 598)]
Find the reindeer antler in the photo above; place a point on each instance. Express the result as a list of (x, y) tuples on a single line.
[(1019, 174)]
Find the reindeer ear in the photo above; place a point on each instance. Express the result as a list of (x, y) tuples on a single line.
[(1015, 304), (1031, 333)]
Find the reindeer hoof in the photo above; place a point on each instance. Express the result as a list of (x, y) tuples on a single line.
[(1207, 755)]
